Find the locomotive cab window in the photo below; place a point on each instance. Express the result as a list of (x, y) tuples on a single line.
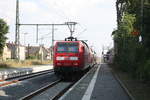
[(67, 47)]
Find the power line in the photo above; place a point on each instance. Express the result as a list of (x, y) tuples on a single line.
[(71, 26)]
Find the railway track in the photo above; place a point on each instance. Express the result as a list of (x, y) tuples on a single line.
[(31, 95), (54, 90), (49, 87), (40, 93), (60, 87), (23, 77)]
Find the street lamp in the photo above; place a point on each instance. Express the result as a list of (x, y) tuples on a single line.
[(142, 9)]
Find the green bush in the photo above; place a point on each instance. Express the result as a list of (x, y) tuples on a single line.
[(146, 70), (131, 55), (32, 57)]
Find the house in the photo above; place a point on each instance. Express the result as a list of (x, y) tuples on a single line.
[(6, 53), (38, 52), (32, 52), (45, 53), (9, 51)]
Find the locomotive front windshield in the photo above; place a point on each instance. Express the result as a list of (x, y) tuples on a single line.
[(67, 48)]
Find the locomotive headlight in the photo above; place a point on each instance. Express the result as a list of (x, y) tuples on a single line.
[(73, 58), (60, 58)]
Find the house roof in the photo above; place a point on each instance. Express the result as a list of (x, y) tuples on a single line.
[(33, 49), (46, 49), (11, 45), (29, 49)]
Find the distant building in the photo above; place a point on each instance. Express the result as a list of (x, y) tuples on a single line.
[(6, 53), (109, 56), (45, 53), (38, 52), (9, 51), (32, 52)]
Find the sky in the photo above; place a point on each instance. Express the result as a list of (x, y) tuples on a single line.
[(96, 20)]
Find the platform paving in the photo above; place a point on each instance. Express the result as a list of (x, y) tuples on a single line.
[(13, 72), (99, 85), (107, 87)]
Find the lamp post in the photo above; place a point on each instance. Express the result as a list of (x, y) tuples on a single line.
[(141, 28)]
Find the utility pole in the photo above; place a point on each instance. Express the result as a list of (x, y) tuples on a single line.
[(17, 33), (52, 49), (53, 35), (142, 15), (37, 32)]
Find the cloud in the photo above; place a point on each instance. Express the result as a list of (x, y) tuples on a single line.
[(28, 7), (71, 8), (97, 16), (7, 10)]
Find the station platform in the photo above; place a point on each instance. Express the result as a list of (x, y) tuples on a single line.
[(107, 87), (13, 72), (100, 84)]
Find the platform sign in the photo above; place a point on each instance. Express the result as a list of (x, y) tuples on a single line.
[(135, 32)]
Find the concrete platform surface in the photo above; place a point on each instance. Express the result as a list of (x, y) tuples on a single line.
[(13, 72), (107, 87), (99, 84)]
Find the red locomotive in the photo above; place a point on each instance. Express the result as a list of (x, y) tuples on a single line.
[(72, 56)]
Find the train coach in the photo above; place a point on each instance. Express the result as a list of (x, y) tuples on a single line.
[(71, 56)]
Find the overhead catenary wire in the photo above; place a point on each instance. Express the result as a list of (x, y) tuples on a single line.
[(65, 16), (81, 32), (71, 26)]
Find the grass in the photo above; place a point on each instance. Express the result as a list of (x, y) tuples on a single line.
[(20, 64), (139, 89)]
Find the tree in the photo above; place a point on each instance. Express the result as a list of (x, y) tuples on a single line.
[(125, 42), (3, 31), (131, 54)]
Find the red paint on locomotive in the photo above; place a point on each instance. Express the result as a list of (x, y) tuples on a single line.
[(71, 56)]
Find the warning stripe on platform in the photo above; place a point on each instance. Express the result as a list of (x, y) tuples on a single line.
[(8, 83)]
